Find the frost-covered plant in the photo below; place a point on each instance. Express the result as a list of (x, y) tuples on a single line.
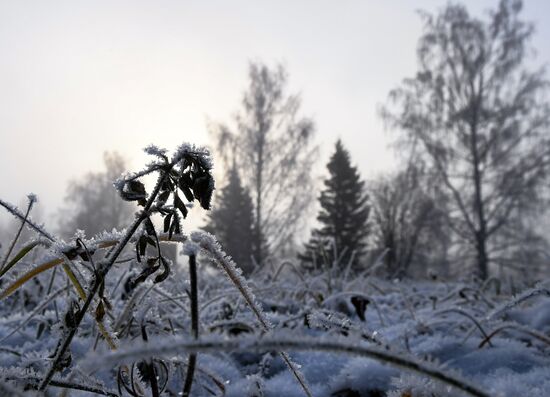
[(158, 329), (186, 173)]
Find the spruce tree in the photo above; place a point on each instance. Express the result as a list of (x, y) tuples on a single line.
[(343, 215), (231, 221)]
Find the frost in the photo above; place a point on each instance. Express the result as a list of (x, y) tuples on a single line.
[(202, 153), (528, 294), (12, 209), (348, 334), (190, 248), (155, 151), (33, 198)]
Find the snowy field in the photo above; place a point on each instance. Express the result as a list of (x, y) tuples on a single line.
[(439, 166), (347, 335)]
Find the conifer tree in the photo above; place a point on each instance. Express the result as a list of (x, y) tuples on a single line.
[(343, 215), (232, 221)]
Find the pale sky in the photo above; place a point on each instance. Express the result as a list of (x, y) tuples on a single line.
[(81, 77)]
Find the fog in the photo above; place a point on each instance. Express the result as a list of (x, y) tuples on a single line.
[(80, 78)]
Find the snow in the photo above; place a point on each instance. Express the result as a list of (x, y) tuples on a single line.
[(423, 338)]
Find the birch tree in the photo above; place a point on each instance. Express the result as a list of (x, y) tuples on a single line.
[(272, 147), (479, 117)]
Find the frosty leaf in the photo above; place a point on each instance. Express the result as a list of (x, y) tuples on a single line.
[(180, 206), (165, 271), (203, 187), (167, 220), (100, 312), (134, 190)]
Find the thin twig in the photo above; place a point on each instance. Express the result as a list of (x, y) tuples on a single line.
[(191, 364), (103, 269), (32, 200), (290, 342)]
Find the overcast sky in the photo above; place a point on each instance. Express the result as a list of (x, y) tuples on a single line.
[(81, 77)]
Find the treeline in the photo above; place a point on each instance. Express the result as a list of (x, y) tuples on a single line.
[(471, 128), (473, 132)]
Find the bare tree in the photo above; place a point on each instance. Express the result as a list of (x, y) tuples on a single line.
[(272, 149), (93, 203), (479, 118), (407, 220)]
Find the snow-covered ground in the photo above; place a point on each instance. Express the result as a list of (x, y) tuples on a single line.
[(347, 335)]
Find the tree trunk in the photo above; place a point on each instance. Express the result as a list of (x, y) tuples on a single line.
[(258, 232), (481, 233), (482, 260)]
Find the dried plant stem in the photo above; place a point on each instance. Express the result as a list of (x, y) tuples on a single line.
[(192, 362), (27, 276), (76, 386), (537, 335), (194, 295), (20, 255), (15, 212), (54, 262), (290, 342), (80, 291), (467, 315), (45, 302), (208, 243), (525, 295), (17, 235), (102, 271)]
